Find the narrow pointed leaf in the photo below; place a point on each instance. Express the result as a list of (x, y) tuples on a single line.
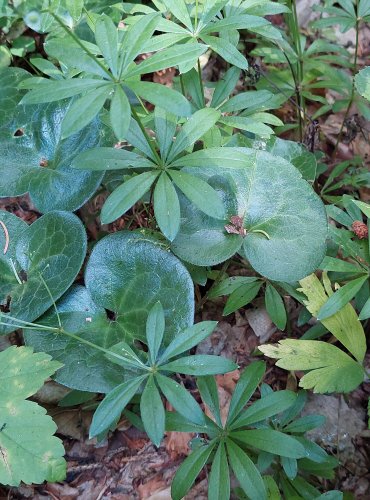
[(166, 207), (226, 50), (241, 297), (179, 9), (341, 297), (208, 390), (246, 472), (266, 407), (219, 478), (126, 195), (247, 384), (84, 110), (200, 122), (155, 330), (110, 159), (165, 127), (107, 40), (271, 441), (181, 399), (200, 193), (189, 338), (188, 471), (113, 404), (120, 113), (275, 307), (152, 412), (49, 91), (200, 364)]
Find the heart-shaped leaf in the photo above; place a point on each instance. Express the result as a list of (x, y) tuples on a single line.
[(283, 229), (50, 251), (128, 273), (34, 158)]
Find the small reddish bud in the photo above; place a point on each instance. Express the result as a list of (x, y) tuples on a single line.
[(360, 229)]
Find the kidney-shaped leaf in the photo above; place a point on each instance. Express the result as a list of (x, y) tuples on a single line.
[(283, 218), (35, 159), (51, 250), (127, 274), (28, 450)]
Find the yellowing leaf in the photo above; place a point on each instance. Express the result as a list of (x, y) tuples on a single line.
[(344, 324), (329, 368)]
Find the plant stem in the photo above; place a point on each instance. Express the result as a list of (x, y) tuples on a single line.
[(150, 142), (354, 69), (299, 67), (201, 83), (78, 41)]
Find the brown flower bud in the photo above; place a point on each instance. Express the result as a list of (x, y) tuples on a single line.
[(360, 229)]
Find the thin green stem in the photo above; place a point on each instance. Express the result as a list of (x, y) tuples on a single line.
[(52, 299), (354, 69), (150, 142), (78, 41), (201, 83)]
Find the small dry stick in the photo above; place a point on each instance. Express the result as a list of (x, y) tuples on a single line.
[(6, 236)]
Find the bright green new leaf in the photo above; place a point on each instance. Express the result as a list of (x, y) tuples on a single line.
[(325, 363), (29, 452), (365, 207), (344, 324)]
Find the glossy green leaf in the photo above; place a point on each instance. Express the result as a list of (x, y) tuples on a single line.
[(52, 250), (120, 113), (113, 405), (165, 127), (166, 207), (199, 123), (128, 273), (364, 207), (191, 337), (188, 471), (155, 325), (266, 407), (290, 467), (200, 364), (244, 389), (324, 362), (178, 8), (219, 478), (39, 161), (26, 435), (271, 441), (225, 86), (241, 296), (200, 193), (229, 285), (126, 195), (180, 399), (9, 93), (291, 217), (275, 307), (304, 424), (246, 472), (152, 412)]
